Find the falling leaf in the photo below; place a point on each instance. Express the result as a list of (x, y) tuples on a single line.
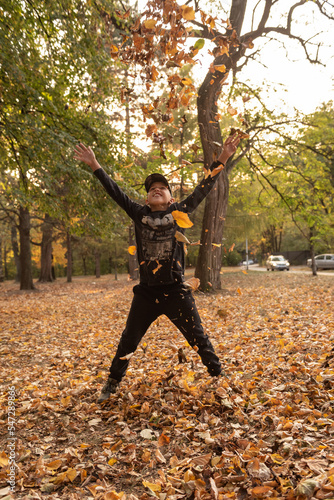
[(182, 219), (239, 291), (132, 250), (199, 44), (192, 283), (231, 248), (231, 110), (127, 356), (181, 237), (157, 268), (188, 13), (221, 68), (150, 24)]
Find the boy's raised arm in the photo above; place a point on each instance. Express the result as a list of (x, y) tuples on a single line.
[(82, 153)]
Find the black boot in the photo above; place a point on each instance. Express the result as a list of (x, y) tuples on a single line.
[(110, 387)]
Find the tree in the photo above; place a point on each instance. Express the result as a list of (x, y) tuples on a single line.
[(161, 35), (55, 80)]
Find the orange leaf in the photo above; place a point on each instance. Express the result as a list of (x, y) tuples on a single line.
[(163, 439), (157, 268), (182, 219), (132, 250), (188, 13), (54, 465), (149, 24), (221, 68)]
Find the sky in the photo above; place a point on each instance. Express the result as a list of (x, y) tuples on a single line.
[(289, 76)]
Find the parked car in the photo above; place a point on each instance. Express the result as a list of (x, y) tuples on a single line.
[(250, 262), (324, 261), (278, 263)]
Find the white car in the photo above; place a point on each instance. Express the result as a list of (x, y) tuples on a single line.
[(277, 263), (325, 261)]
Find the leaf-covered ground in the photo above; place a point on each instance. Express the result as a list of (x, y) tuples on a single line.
[(266, 430)]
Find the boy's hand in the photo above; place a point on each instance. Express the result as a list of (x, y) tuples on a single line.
[(229, 147), (82, 153)]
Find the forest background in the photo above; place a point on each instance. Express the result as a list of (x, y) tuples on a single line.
[(115, 78)]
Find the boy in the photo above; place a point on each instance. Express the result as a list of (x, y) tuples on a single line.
[(161, 261)]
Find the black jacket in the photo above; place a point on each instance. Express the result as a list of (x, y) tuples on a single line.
[(160, 255)]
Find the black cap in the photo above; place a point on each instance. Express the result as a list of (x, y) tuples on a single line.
[(156, 178)]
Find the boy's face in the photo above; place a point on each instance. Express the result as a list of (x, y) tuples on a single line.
[(159, 197)]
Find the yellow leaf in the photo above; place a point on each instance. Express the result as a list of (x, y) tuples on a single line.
[(132, 250), (71, 474), (216, 244), (182, 219), (150, 24), (3, 459), (152, 486), (187, 81), (54, 465), (112, 461), (221, 68), (60, 478), (189, 476), (188, 13), (245, 272), (277, 458)]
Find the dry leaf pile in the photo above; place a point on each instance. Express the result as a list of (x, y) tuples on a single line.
[(265, 430)]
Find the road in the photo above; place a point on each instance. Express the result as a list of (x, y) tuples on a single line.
[(293, 269)]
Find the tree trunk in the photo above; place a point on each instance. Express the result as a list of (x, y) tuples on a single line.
[(133, 259), (15, 247), (26, 281), (209, 259), (84, 265), (116, 275), (314, 266), (97, 263), (69, 257), (5, 252), (1, 266), (46, 251)]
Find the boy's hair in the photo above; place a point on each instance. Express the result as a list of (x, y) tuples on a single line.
[(156, 178)]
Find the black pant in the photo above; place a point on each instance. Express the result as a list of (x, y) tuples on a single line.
[(179, 306)]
